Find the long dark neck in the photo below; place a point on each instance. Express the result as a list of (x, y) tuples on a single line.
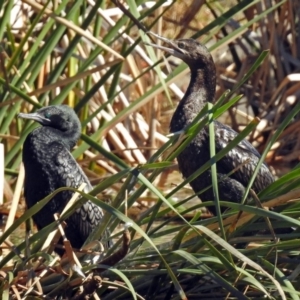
[(201, 90)]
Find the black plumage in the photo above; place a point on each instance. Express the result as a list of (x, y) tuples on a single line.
[(50, 165), (201, 90)]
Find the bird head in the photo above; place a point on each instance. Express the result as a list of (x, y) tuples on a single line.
[(190, 51), (60, 117)]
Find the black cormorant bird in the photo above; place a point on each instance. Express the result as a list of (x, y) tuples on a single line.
[(50, 165), (201, 90)]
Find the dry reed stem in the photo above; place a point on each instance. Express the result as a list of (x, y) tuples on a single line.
[(41, 275), (72, 258), (105, 165), (16, 198), (69, 204), (66, 81)]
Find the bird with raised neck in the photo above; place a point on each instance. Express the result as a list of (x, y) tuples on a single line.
[(201, 90)]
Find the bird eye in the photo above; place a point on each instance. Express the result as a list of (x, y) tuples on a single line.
[(47, 115), (181, 45)]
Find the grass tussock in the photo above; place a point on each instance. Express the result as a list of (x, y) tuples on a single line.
[(90, 55)]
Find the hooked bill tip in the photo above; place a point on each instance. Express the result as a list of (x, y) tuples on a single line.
[(21, 115)]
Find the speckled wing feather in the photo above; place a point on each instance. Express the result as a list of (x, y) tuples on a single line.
[(244, 155), (89, 215)]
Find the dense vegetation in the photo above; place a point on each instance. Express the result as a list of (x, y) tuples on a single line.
[(90, 55)]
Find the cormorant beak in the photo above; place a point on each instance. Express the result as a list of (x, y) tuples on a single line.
[(174, 50), (35, 117)]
